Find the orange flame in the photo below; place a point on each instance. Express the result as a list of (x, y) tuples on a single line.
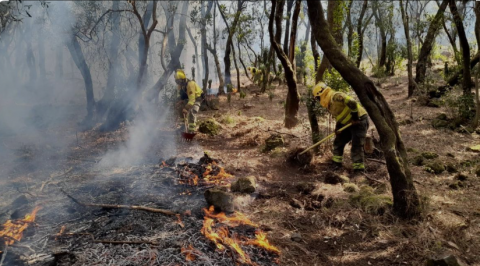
[(190, 253), (235, 220), (164, 164), (62, 230), (221, 236), (262, 241), (218, 178), (13, 230)]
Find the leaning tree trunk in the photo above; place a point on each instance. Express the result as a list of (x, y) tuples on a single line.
[(335, 16), (467, 78), (428, 44), (293, 99), (203, 33), (360, 33), (77, 55), (411, 83), (192, 39), (241, 60), (477, 24), (405, 197), (293, 35)]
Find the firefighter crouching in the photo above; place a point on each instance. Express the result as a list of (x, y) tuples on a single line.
[(191, 96), (345, 110)]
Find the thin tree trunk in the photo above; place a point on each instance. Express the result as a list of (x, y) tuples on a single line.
[(467, 78), (349, 29), (383, 36), (141, 38), (239, 89), (335, 15), (360, 32), (293, 34), (477, 25), (293, 99), (477, 101), (231, 32), (427, 46), (405, 198), (316, 55), (77, 55), (411, 83), (287, 26), (203, 32), (221, 86), (241, 60), (195, 48)]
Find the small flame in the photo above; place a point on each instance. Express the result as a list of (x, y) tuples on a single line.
[(262, 241), (164, 164), (62, 230), (235, 220), (13, 230), (190, 253), (218, 178)]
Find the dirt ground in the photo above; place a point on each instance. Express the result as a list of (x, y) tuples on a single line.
[(327, 228)]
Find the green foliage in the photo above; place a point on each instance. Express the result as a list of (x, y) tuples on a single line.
[(228, 120), (243, 95), (271, 95), (460, 106), (335, 80), (229, 98)]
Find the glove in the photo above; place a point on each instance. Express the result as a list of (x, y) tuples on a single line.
[(185, 111)]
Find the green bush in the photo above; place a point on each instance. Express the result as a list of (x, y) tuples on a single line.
[(335, 81)]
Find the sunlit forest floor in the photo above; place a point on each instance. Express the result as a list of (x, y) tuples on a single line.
[(312, 222)]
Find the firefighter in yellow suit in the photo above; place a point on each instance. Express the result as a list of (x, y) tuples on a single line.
[(191, 95), (345, 110)]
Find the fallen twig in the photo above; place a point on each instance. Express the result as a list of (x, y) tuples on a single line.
[(377, 161), (4, 254), (112, 206)]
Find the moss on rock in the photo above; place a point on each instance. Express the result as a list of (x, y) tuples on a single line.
[(429, 155), (274, 141), (370, 202), (209, 127), (435, 167)]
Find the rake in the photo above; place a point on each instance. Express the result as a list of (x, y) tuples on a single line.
[(187, 136)]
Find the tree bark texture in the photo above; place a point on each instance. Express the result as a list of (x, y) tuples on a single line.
[(360, 32), (287, 26), (405, 197), (467, 78), (293, 34), (293, 99), (411, 83), (203, 32), (383, 35), (427, 46), (349, 28)]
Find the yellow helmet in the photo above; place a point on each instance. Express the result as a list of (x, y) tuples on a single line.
[(180, 74), (318, 89)]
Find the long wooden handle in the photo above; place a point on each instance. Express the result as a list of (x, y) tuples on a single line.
[(185, 120), (326, 138)]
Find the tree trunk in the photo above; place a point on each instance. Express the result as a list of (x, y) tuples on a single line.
[(411, 83), (77, 56), (316, 55), (196, 51), (360, 33), (141, 38), (287, 26), (383, 35), (231, 32), (405, 198), (334, 16), (454, 79), (293, 35), (221, 86), (477, 101), (175, 49), (113, 66), (239, 89), (477, 25), (293, 99), (349, 29), (241, 60), (203, 32), (467, 78), (428, 44)]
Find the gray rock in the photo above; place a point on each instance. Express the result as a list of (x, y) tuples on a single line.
[(274, 141), (221, 200), (297, 237), (449, 260), (244, 185)]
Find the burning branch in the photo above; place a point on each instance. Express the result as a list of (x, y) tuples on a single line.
[(112, 206)]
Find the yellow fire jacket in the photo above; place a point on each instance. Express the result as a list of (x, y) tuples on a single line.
[(340, 105), (193, 92)]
